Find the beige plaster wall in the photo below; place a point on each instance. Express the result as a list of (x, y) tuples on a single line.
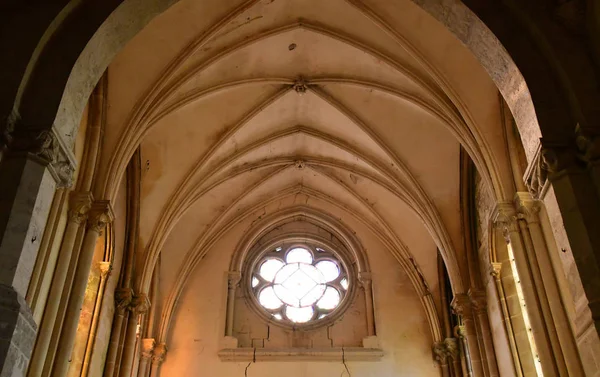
[(198, 324)]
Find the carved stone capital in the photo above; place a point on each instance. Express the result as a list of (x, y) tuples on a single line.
[(159, 353), (439, 351), (365, 279), (558, 158), (527, 207), (461, 305), (452, 348), (105, 269), (101, 214), (505, 218), (478, 301), (123, 298), (588, 144), (448, 349), (233, 279), (43, 144), (140, 303), (80, 204), (495, 269), (147, 348)]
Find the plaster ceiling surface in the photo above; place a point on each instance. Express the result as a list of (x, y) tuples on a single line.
[(357, 108)]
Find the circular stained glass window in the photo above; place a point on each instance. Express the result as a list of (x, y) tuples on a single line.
[(300, 285)]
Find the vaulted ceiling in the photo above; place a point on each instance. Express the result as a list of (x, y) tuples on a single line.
[(353, 108)]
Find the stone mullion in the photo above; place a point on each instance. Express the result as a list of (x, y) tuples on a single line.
[(100, 215), (33, 164)]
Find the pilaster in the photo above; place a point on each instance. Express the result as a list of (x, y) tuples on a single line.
[(34, 162)]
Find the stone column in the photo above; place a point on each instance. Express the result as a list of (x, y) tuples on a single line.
[(158, 357), (496, 271), (233, 280), (566, 345), (123, 298), (105, 269), (506, 219), (479, 306), (367, 284), (139, 305), (100, 215), (34, 163), (148, 345), (462, 306), (465, 357), (79, 205)]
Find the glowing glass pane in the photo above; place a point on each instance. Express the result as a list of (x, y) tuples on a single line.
[(344, 283), (255, 282), (278, 316), (269, 268), (299, 315), (330, 299), (269, 299), (322, 316), (299, 255), (313, 295), (329, 269)]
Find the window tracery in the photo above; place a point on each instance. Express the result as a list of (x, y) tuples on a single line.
[(301, 284)]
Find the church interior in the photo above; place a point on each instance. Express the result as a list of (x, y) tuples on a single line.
[(308, 188)]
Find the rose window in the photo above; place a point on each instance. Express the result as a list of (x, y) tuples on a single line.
[(300, 285)]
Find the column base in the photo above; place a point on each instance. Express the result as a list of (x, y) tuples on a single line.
[(17, 333)]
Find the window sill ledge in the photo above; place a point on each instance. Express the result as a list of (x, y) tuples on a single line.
[(301, 354)]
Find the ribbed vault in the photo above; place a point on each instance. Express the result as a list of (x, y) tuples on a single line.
[(246, 109)]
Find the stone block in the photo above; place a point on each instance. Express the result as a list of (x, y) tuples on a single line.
[(17, 333)]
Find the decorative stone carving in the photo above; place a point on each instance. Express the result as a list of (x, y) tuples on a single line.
[(495, 269), (101, 214), (159, 353), (478, 302), (300, 86), (505, 217), (46, 146), (527, 207), (588, 144), (536, 175), (461, 305), (365, 279), (233, 279), (105, 269), (80, 204), (439, 350), (148, 345), (300, 164), (123, 298), (448, 349), (140, 304)]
